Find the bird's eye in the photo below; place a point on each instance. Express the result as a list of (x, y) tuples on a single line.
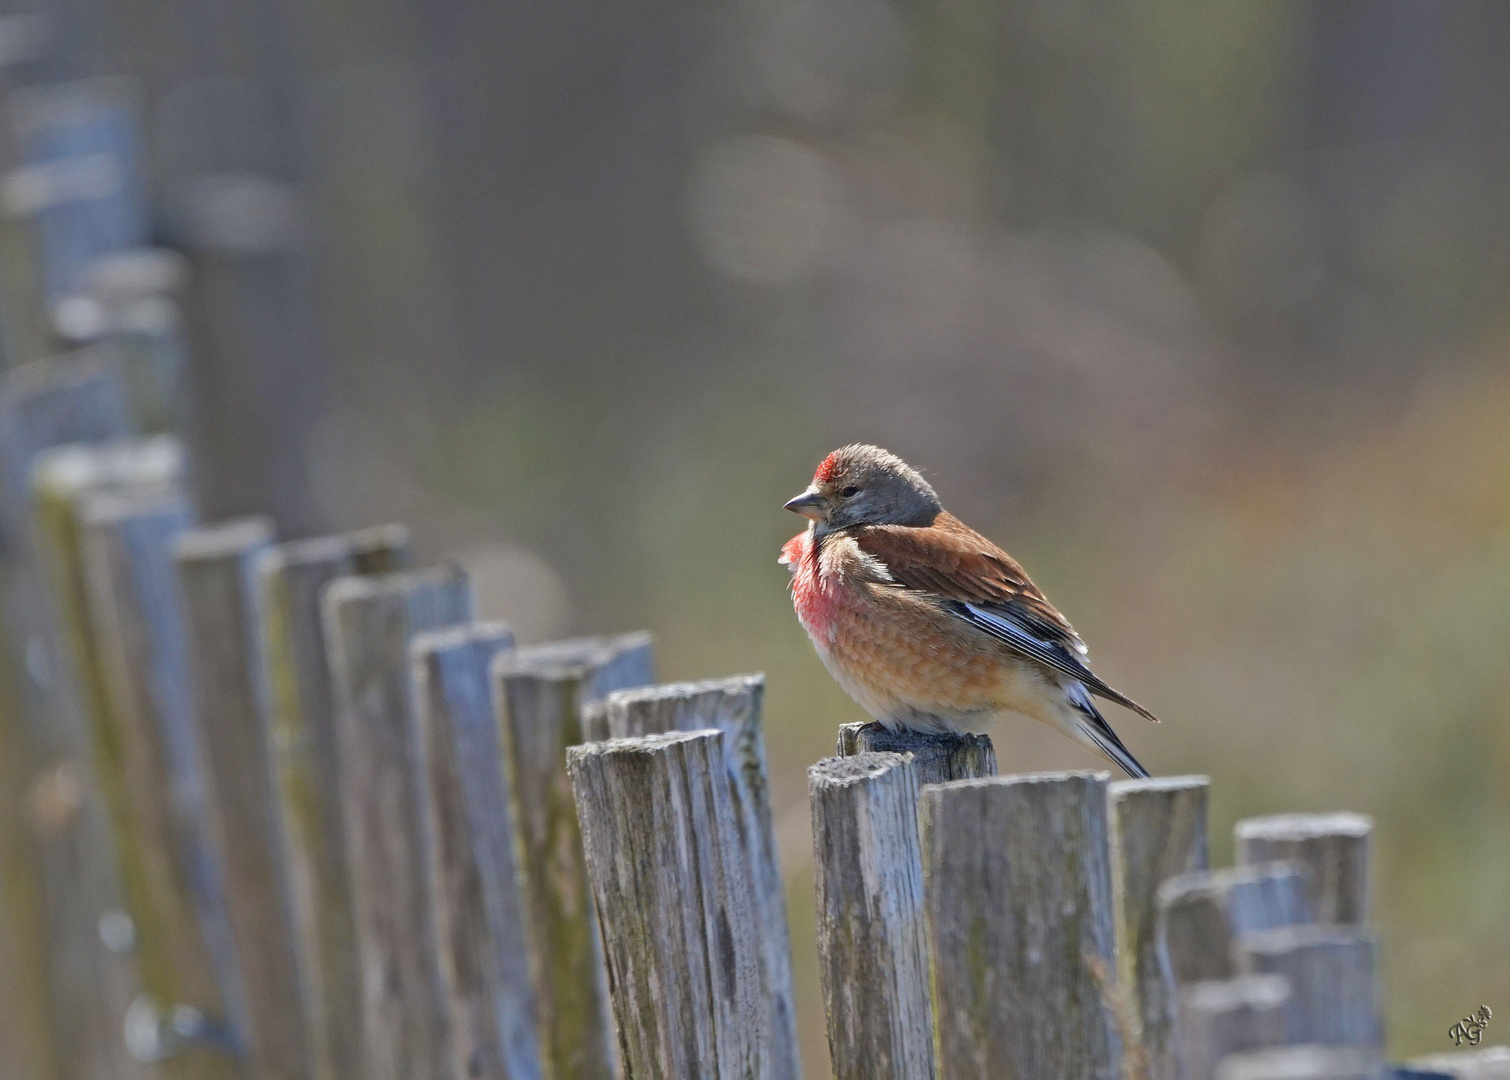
[(850, 492)]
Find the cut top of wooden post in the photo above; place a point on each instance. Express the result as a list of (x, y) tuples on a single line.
[(1332, 850), (1485, 1063), (1202, 913), (938, 758)]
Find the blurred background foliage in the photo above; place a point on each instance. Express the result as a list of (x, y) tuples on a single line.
[(1199, 309)]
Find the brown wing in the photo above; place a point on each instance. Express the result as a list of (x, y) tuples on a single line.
[(982, 584)]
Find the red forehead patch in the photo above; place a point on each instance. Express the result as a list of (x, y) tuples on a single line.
[(825, 471)]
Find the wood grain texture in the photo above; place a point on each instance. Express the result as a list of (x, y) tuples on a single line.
[(1303, 1063), (1018, 911), (1202, 913), (868, 881), (733, 706), (217, 569), (1158, 831), (1333, 977), (1226, 1016), (292, 578), (936, 758), (676, 894), (484, 948), (1485, 1063), (540, 693), (369, 623), (1332, 849)]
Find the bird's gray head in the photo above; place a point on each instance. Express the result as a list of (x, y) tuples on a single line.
[(865, 485)]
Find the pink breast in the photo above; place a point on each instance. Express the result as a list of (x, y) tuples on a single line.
[(813, 597)]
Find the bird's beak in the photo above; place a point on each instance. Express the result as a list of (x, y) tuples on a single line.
[(809, 504)]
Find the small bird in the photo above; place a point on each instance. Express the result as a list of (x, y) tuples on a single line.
[(927, 624)]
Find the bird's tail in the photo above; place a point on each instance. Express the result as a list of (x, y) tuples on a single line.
[(1098, 733)]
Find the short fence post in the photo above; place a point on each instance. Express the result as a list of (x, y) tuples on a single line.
[(217, 569), (540, 693), (1158, 831), (1018, 910), (937, 758), (1202, 913), (868, 878), (484, 950), (1332, 849), (1332, 972), (1302, 1063), (732, 706), (292, 578), (369, 623), (1226, 1016), (1485, 1063), (675, 891)]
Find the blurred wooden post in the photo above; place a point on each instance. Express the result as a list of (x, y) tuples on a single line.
[(732, 706), (1226, 1016), (1018, 911), (1158, 831), (369, 624), (540, 693), (293, 576), (1485, 1063), (484, 951), (936, 758), (675, 888), (1302, 1063), (1333, 977), (868, 878), (1332, 850), (223, 607), (1201, 914)]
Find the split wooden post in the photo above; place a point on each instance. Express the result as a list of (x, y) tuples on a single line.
[(540, 693), (292, 578), (676, 894), (1018, 911), (1227, 1016), (1202, 914), (937, 758), (1333, 977), (484, 951), (1332, 849), (733, 706), (1303, 1063), (369, 624), (1158, 830), (868, 879), (217, 570)]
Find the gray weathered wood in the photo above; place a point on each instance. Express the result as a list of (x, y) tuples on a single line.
[(1333, 976), (484, 951), (1202, 913), (1332, 849), (1303, 1063), (540, 693), (1221, 1017), (1018, 910), (1485, 1063), (222, 599), (369, 623), (868, 880), (1158, 832), (938, 758), (676, 893), (733, 706)]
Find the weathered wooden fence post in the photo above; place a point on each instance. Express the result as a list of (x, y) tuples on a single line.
[(1018, 911), (223, 605), (1203, 913), (1334, 994), (1158, 831), (678, 898), (540, 693), (293, 577), (1331, 849), (1302, 1063), (936, 758), (868, 877), (1226, 1016), (484, 950), (369, 624)]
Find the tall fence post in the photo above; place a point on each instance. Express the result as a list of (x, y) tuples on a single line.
[(938, 758), (480, 929), (223, 606), (1018, 911), (1158, 831), (369, 624), (1331, 849), (540, 693), (868, 880), (675, 887), (292, 577)]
